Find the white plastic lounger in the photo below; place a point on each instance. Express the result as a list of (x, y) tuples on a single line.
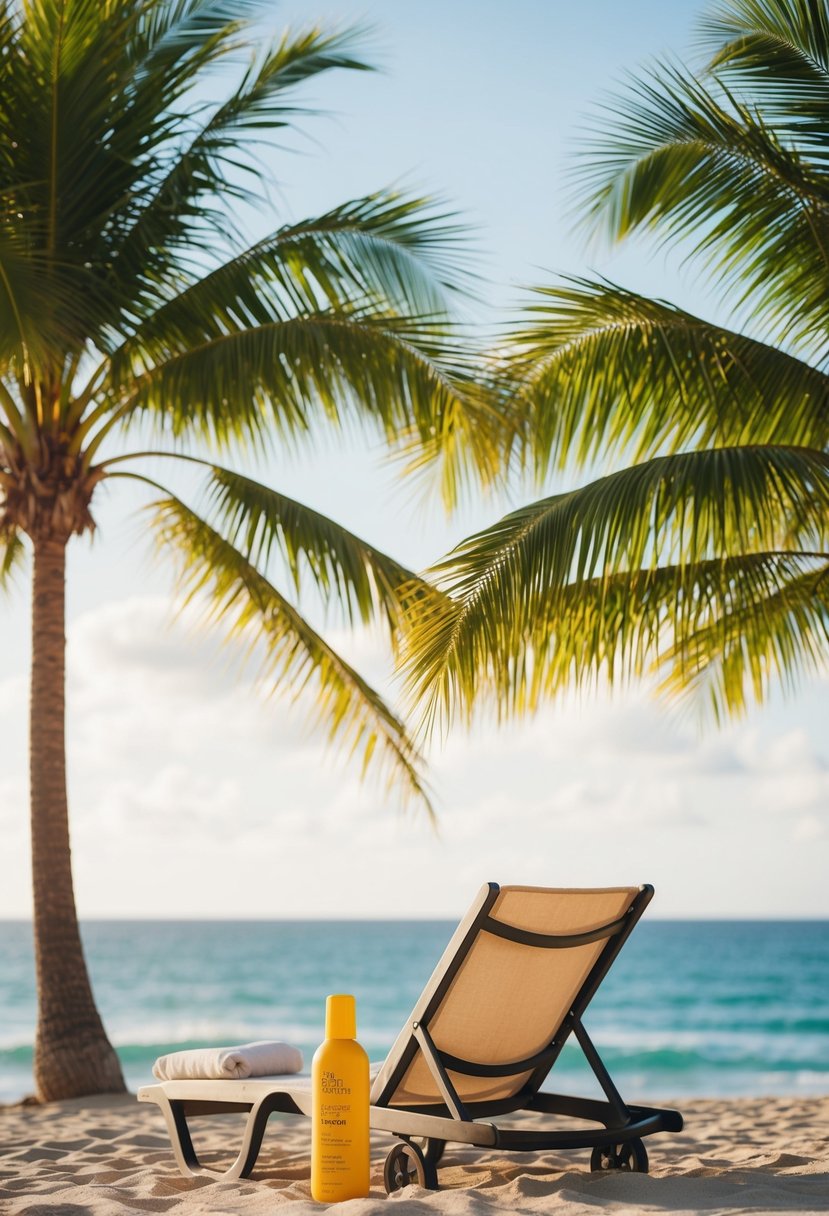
[(510, 989)]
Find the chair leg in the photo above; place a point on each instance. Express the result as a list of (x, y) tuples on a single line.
[(186, 1156)]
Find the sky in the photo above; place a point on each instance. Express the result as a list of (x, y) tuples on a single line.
[(193, 795)]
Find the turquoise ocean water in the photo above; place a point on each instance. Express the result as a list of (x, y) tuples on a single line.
[(709, 1008)]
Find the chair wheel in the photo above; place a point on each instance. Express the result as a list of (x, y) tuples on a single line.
[(631, 1155), (407, 1164)]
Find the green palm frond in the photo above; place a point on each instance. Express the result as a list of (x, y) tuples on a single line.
[(391, 374), (605, 372), (776, 51), (289, 654), (181, 28), (647, 622), (685, 159), (344, 310), (261, 100), (699, 504), (510, 591), (264, 525), (36, 307), (75, 174), (474, 441), (179, 207), (400, 252), (762, 635), (695, 626), (116, 170)]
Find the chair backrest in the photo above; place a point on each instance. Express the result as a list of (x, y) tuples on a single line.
[(520, 962)]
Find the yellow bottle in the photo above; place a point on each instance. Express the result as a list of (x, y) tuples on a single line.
[(339, 1119)]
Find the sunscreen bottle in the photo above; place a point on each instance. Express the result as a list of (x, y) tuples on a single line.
[(340, 1102)]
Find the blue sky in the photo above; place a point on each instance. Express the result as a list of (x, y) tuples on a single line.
[(190, 796)]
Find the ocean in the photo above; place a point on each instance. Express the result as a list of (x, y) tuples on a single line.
[(714, 1008)]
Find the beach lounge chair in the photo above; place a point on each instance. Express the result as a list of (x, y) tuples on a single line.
[(511, 988)]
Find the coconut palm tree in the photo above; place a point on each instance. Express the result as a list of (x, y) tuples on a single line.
[(138, 330), (706, 560)]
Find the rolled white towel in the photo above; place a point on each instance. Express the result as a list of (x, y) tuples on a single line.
[(263, 1059)]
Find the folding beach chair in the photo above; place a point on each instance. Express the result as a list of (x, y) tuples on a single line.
[(510, 989)]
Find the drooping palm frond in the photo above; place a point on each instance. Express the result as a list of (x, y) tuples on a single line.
[(699, 504), (762, 636), (272, 530), (605, 372), (579, 583), (290, 656), (693, 625), (683, 158), (345, 569), (646, 622), (277, 380)]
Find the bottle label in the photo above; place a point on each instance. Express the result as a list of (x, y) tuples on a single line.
[(332, 1084)]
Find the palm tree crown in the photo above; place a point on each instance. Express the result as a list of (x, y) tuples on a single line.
[(706, 560), (115, 312), (136, 322)]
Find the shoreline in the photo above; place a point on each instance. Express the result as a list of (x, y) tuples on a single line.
[(91, 1155)]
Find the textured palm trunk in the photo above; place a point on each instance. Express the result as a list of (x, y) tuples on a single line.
[(72, 1053)]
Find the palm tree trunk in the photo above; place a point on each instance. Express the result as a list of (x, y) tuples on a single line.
[(72, 1053)]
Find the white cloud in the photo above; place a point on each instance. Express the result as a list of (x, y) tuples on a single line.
[(192, 795), (809, 828)]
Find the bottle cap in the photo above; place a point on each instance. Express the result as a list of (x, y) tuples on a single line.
[(340, 1017)]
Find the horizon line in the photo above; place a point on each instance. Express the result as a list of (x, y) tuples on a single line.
[(241, 918)]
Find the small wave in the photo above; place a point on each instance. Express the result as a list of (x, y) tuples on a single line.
[(21, 1054), (681, 1060)]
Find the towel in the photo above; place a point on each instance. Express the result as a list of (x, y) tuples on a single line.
[(263, 1059)]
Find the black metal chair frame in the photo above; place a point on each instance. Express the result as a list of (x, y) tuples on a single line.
[(621, 1123)]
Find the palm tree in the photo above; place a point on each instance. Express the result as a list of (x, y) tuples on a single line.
[(706, 561), (136, 322)]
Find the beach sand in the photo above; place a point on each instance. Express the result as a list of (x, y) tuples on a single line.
[(112, 1155)]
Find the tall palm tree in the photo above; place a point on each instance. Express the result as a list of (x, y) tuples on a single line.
[(706, 561), (137, 325)]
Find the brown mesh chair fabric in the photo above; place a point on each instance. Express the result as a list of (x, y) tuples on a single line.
[(508, 999)]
